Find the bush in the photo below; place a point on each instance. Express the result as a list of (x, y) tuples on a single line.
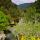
[(3, 21)]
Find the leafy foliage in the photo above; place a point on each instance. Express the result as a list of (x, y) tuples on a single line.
[(31, 15), (3, 21)]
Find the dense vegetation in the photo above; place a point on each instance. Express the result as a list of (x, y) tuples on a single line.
[(3, 21), (31, 24)]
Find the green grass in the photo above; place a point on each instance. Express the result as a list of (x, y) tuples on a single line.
[(27, 28)]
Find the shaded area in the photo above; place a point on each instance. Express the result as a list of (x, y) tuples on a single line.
[(9, 35)]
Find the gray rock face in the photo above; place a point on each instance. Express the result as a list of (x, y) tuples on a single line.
[(9, 35)]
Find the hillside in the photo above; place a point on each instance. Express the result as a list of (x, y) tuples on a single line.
[(26, 20)]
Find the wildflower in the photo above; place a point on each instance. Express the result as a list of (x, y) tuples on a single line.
[(21, 36), (33, 38), (38, 38)]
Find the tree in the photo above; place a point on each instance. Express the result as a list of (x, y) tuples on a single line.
[(37, 5), (3, 21)]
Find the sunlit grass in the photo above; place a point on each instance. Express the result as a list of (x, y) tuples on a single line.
[(28, 28)]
